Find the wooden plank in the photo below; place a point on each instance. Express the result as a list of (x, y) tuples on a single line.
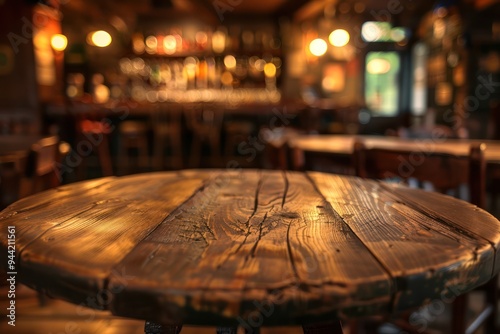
[(49, 208), (174, 256), (465, 218), (260, 237), (72, 259), (425, 257), (323, 248), (44, 210)]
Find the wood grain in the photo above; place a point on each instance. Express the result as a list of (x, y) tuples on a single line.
[(427, 254), (82, 235), (249, 248), (252, 240)]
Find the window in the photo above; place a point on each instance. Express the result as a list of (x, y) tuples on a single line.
[(381, 83)]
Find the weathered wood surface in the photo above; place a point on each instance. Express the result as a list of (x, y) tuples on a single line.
[(249, 248)]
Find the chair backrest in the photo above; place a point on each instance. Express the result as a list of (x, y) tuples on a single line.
[(46, 153), (204, 117), (444, 171), (300, 159), (10, 178), (167, 115)]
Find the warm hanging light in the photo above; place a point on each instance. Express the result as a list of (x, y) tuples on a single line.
[(339, 38), (59, 42), (100, 38), (318, 47)]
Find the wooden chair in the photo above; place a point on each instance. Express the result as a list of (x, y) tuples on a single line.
[(133, 136), (167, 132), (300, 160), (10, 181), (445, 172), (277, 151), (44, 174), (45, 155)]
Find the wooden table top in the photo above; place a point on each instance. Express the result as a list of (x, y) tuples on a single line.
[(343, 144), (208, 246)]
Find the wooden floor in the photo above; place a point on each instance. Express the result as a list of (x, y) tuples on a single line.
[(58, 317)]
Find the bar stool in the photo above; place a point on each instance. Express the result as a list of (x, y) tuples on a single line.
[(91, 137), (167, 132), (133, 136), (236, 132), (445, 172), (205, 123)]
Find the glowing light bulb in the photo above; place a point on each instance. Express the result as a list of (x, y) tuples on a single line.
[(230, 62), (170, 44), (318, 47), (59, 42), (339, 38), (270, 70), (100, 38)]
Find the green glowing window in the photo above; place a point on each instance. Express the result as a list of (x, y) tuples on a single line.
[(381, 82)]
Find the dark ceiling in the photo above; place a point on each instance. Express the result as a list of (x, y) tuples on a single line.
[(214, 8), (404, 12)]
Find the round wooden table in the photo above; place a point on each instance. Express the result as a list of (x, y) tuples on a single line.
[(248, 248)]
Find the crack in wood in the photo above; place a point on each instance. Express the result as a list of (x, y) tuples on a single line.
[(199, 230), (254, 247), (150, 257), (207, 227), (247, 223), (290, 254), (193, 236), (171, 216), (237, 225), (393, 282), (285, 193)]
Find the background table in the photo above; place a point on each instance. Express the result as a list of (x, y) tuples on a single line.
[(16, 147), (344, 145), (249, 247)]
